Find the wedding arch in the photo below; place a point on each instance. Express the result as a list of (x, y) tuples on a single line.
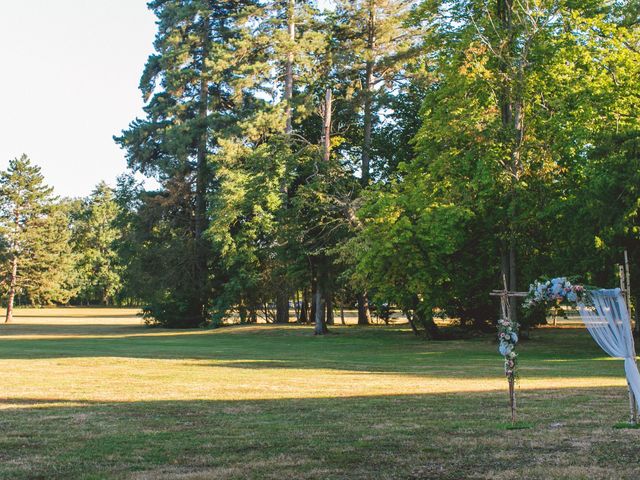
[(605, 313)]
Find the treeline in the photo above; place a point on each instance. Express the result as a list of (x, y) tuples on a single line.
[(56, 251), (401, 152)]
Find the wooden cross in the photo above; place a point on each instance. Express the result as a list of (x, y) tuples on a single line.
[(505, 296), (505, 306)]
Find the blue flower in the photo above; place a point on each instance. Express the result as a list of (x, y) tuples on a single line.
[(572, 296), (505, 348)]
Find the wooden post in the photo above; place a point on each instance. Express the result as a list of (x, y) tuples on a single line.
[(506, 310), (512, 397), (624, 286), (627, 293), (627, 278)]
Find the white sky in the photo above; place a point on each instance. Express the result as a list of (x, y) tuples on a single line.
[(69, 72)]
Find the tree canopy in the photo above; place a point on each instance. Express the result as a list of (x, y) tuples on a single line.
[(411, 153)]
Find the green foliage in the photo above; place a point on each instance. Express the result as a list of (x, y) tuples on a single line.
[(467, 141), (406, 244), (477, 186), (35, 234), (470, 140), (191, 90), (156, 251), (94, 237)]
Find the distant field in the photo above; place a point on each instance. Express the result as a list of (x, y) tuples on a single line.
[(129, 316), (92, 393)]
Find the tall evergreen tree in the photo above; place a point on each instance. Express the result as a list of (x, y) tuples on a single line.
[(186, 84), (35, 232), (376, 44), (94, 237), (262, 161)]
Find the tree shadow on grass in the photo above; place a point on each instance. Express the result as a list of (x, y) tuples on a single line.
[(401, 436), (385, 350)]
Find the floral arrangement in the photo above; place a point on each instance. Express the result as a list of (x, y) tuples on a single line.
[(544, 293), (555, 291), (508, 338)]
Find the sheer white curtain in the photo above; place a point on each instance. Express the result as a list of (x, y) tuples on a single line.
[(608, 323)]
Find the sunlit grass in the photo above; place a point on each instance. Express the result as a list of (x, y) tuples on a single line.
[(101, 395)]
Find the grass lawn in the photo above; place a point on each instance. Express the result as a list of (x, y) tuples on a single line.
[(95, 394)]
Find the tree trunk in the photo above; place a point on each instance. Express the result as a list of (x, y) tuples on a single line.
[(424, 316), (200, 217), (12, 289), (409, 316), (330, 313), (431, 330), (288, 88), (364, 314), (342, 314), (314, 306), (319, 282), (282, 297), (282, 308), (512, 118), (326, 130), (513, 284), (242, 313), (304, 308), (296, 306), (368, 98), (320, 325)]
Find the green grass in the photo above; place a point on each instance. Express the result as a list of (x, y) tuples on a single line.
[(94, 394)]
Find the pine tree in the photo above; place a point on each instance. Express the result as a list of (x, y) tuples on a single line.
[(187, 86), (35, 232), (94, 238), (376, 44), (260, 160)]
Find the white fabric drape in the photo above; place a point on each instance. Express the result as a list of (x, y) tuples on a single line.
[(608, 323)]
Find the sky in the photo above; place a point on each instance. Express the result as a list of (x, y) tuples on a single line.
[(69, 72), (69, 82)]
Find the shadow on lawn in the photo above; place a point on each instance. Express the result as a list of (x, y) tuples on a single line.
[(381, 350), (463, 404), (401, 436)]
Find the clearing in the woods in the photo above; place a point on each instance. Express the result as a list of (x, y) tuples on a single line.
[(92, 393)]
